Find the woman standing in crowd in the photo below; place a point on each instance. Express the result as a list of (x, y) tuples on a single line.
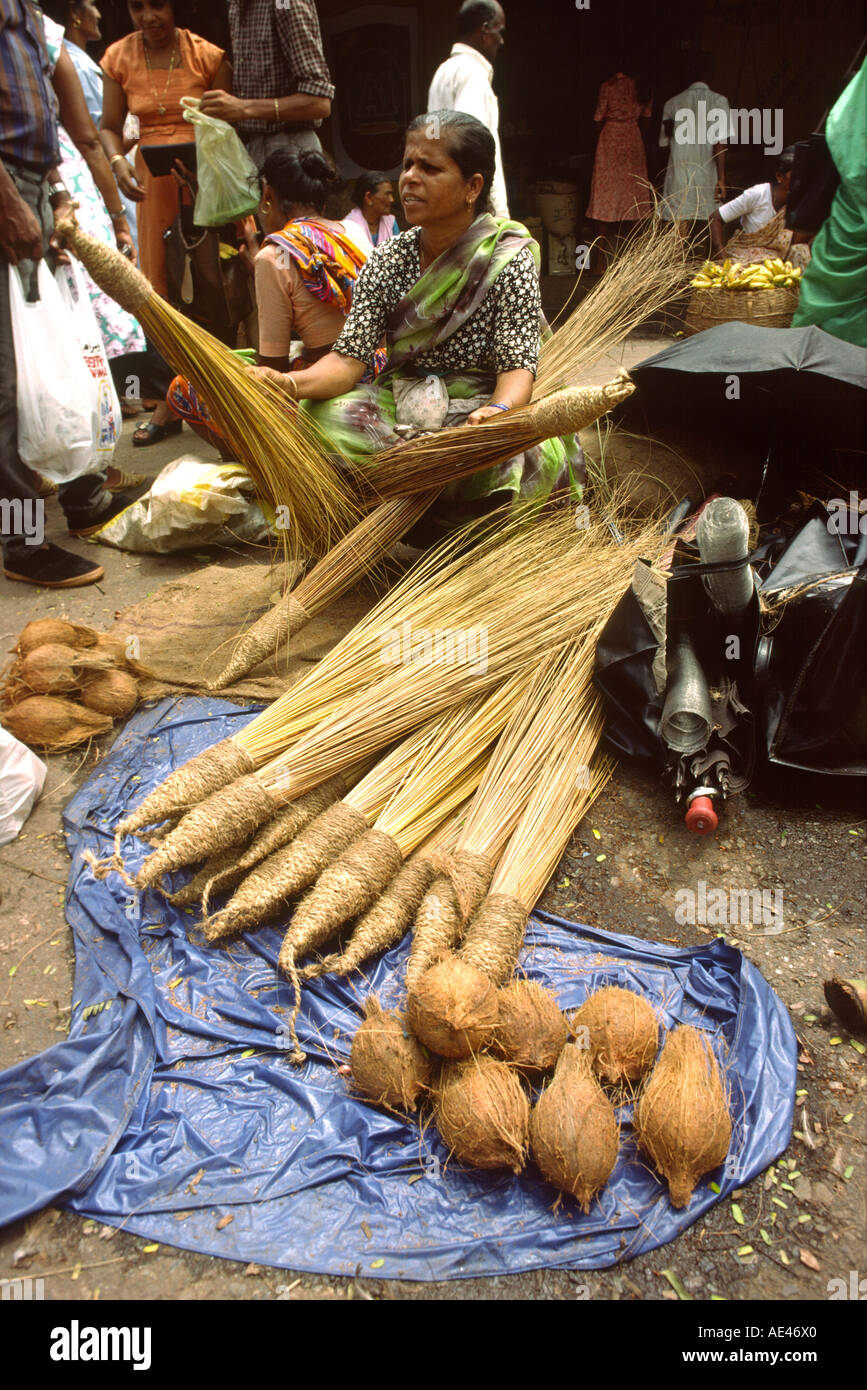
[(148, 73), (305, 274), (371, 221), (620, 191), (82, 22), (763, 234), (457, 299)]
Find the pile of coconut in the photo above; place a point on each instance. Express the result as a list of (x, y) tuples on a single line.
[(509, 1076), (67, 683)]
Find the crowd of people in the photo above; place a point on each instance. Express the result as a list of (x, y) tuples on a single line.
[(370, 328)]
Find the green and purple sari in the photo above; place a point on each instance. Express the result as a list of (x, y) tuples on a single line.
[(430, 380)]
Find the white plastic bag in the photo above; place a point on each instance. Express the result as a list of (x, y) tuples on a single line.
[(191, 503), (22, 776), (106, 420), (55, 432), (227, 177)]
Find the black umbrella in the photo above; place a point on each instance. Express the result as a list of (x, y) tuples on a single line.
[(787, 403)]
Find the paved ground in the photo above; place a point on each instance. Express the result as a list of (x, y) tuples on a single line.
[(803, 1222)]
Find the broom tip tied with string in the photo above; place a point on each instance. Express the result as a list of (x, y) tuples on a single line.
[(287, 871), (228, 817)]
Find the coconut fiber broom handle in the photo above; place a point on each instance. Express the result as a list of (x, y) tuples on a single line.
[(111, 271), (576, 407)]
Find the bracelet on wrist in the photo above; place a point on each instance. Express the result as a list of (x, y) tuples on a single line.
[(293, 386), (118, 216), (115, 158)]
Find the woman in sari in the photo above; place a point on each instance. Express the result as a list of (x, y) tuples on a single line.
[(457, 300), (305, 274), (762, 234)]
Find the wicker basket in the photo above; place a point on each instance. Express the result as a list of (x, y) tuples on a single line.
[(768, 308)]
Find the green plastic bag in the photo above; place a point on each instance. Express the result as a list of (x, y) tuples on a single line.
[(227, 177)]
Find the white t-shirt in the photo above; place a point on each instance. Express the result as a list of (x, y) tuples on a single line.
[(463, 83), (755, 208)]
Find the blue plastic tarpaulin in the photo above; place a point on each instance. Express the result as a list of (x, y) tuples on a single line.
[(179, 1097)]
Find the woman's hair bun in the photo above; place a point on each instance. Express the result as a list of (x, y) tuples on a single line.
[(317, 167)]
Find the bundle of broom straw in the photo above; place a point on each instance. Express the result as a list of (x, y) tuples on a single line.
[(443, 583), (279, 447)]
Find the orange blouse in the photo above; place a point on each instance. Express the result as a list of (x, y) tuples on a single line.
[(146, 91)]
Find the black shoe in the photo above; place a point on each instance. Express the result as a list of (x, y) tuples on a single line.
[(155, 434), (53, 568), (84, 524)]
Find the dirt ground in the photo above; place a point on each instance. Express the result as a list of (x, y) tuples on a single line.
[(783, 1237)]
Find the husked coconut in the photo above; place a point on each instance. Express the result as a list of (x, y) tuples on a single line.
[(682, 1119), (44, 721), (623, 1033), (388, 1065), (49, 669), (453, 1008), (574, 1134), (482, 1113), (531, 1030)]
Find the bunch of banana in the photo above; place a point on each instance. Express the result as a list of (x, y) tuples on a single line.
[(766, 275)]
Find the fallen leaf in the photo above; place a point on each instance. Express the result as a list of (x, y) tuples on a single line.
[(858, 1046), (194, 1182), (252, 1269), (765, 1237), (784, 1257), (780, 1203), (847, 1172), (417, 1178), (600, 858), (850, 1116), (76, 1271), (366, 1229), (173, 984), (809, 1260), (596, 835), (224, 1221), (714, 1187), (834, 1042), (746, 1250), (737, 1214), (249, 1053), (676, 1284), (804, 1217), (149, 1249), (377, 1264)]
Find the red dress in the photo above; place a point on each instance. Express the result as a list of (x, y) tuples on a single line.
[(619, 191)]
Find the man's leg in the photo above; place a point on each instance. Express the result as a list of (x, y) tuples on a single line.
[(25, 556)]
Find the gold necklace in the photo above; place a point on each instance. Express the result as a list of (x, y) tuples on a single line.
[(176, 53)]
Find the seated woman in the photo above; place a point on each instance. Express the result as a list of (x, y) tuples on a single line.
[(371, 220), (305, 274), (762, 234), (457, 298)]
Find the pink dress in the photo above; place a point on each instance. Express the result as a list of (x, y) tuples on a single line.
[(619, 191)]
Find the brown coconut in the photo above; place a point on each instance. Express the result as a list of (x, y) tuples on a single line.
[(531, 1030), (453, 1009), (682, 1119), (43, 721), (482, 1113), (388, 1066), (112, 692), (623, 1033), (49, 669), (574, 1135), (54, 630)]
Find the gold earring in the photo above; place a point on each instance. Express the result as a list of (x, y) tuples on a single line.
[(266, 207)]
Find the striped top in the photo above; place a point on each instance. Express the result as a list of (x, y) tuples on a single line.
[(28, 106)]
